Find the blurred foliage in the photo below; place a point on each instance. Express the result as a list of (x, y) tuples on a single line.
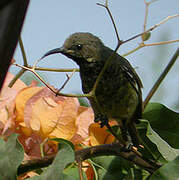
[(157, 65)]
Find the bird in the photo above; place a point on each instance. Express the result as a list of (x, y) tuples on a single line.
[(117, 95)]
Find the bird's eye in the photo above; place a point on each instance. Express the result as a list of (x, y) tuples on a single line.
[(79, 46)]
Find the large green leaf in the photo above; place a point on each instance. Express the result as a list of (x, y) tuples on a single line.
[(166, 151), (64, 157), (150, 150), (111, 167), (11, 156), (164, 122), (169, 171)]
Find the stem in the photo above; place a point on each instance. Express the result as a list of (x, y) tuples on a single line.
[(160, 79), (161, 43), (112, 19), (80, 170), (48, 86), (132, 51), (146, 14), (23, 51), (152, 28), (18, 75), (141, 45), (21, 72), (67, 80), (55, 70)]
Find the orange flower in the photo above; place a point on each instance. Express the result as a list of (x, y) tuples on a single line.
[(100, 135), (37, 114), (7, 99)]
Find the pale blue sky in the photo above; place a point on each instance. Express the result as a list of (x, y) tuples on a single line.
[(49, 23)]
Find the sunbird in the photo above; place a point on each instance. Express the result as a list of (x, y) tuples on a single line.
[(117, 94)]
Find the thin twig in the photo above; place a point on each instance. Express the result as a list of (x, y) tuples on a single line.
[(164, 21), (23, 51), (161, 43), (152, 28), (142, 44), (48, 86), (21, 72), (18, 75), (55, 70), (109, 59), (112, 19), (67, 80), (80, 170), (146, 14), (132, 51), (37, 75), (160, 79)]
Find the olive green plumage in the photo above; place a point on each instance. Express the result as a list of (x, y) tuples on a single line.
[(118, 94)]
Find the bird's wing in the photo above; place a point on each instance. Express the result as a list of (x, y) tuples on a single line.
[(134, 80), (131, 74)]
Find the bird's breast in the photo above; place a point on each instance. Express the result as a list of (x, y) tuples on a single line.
[(114, 94)]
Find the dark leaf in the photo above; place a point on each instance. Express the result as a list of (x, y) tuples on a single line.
[(164, 122)]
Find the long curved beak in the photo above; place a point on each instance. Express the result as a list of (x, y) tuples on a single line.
[(54, 51)]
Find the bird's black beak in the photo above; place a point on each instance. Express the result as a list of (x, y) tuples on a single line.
[(61, 50)]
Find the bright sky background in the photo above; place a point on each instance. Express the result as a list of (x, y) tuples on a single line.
[(48, 23)]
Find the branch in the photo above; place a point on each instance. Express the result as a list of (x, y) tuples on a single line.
[(67, 80), (142, 44), (18, 75), (161, 43), (55, 70), (48, 86), (116, 150), (146, 12), (94, 151), (112, 19), (31, 165), (23, 51), (22, 71), (152, 28)]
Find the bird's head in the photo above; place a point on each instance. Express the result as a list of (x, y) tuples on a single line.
[(80, 47)]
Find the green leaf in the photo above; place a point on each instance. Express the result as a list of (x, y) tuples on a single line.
[(111, 167), (83, 102), (169, 171), (146, 36), (60, 140), (64, 157), (11, 156), (165, 149), (164, 122), (73, 173), (150, 150)]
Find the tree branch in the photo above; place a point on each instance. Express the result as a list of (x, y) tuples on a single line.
[(94, 151)]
